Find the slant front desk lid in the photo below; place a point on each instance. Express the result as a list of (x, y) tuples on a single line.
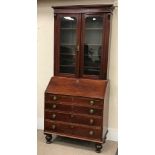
[(77, 87)]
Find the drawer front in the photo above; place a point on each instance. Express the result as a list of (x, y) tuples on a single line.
[(86, 110), (75, 100), (58, 127), (72, 129), (57, 98), (88, 102), (90, 133), (92, 121), (50, 97), (58, 116), (57, 106)]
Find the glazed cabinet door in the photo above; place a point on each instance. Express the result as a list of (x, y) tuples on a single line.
[(67, 44), (92, 46)]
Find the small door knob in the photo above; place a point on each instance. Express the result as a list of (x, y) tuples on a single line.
[(91, 133), (77, 48), (91, 111)]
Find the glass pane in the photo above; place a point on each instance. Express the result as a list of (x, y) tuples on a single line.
[(93, 45), (68, 41)]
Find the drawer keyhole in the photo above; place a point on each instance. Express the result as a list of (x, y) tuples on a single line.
[(72, 127), (91, 121)]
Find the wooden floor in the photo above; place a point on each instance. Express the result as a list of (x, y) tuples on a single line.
[(68, 146)]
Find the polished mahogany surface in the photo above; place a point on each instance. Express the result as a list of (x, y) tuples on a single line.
[(77, 97), (77, 87), (76, 108)]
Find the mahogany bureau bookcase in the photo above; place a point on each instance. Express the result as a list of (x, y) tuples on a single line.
[(76, 98)]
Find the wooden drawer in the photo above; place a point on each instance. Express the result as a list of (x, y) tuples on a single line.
[(88, 102), (50, 98), (86, 110), (57, 106), (57, 116), (73, 118), (92, 121), (72, 129), (57, 98), (87, 132), (57, 127)]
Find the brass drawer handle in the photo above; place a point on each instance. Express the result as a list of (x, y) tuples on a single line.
[(91, 111), (54, 97), (53, 127), (92, 102), (54, 106), (91, 133), (91, 121), (53, 116)]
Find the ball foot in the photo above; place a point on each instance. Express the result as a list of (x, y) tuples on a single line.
[(48, 138), (98, 147)]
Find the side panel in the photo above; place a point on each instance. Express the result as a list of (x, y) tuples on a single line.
[(106, 111)]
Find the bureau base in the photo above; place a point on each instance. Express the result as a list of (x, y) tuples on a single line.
[(78, 109), (98, 144)]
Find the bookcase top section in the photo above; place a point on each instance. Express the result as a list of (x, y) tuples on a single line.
[(77, 87)]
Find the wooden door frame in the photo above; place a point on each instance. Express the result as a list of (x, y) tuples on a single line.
[(57, 44), (101, 75)]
